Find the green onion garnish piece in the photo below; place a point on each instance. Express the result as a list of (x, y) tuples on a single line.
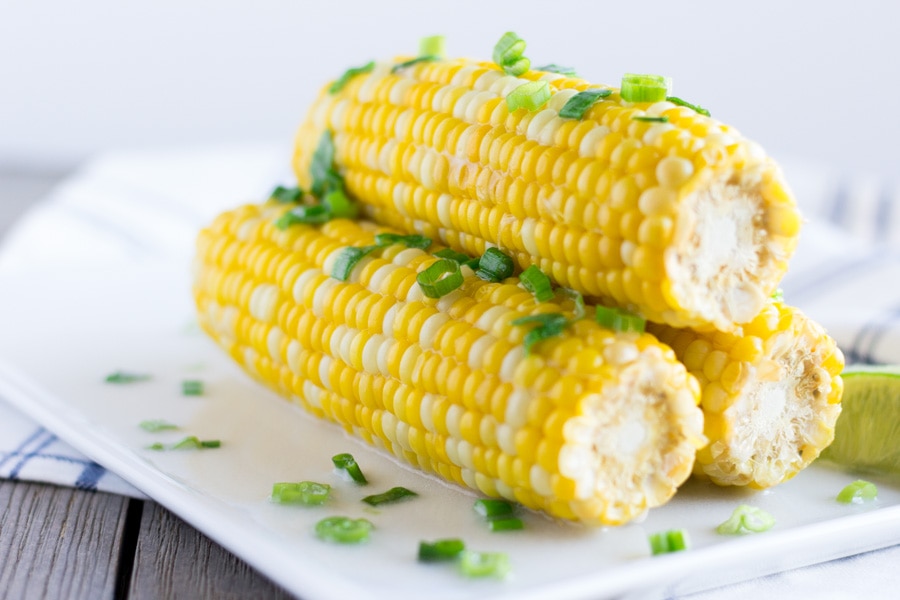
[(462, 259), (579, 301), (508, 50), (746, 519), (286, 194), (348, 259), (651, 118), (343, 530), (156, 446), (210, 443), (517, 67), (339, 205), (549, 325), (694, 107), (778, 295), (126, 377), (673, 540), (858, 492), (483, 564), (552, 68), (440, 278), (491, 507), (346, 462), (536, 282), (156, 425), (304, 215), (191, 442), (440, 550), (530, 96), (192, 387), (507, 524), (619, 320), (414, 61), (321, 169), (410, 241), (308, 493), (349, 74), (433, 45), (392, 495), (494, 265), (578, 104), (644, 88)]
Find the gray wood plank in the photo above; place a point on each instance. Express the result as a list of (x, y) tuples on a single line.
[(174, 560), (58, 542)]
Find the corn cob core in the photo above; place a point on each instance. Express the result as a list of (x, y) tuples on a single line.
[(594, 425), (770, 397), (684, 221)]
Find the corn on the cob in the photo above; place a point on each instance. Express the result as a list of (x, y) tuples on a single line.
[(594, 425), (770, 397), (685, 221)]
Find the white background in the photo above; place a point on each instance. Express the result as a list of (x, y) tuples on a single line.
[(812, 80)]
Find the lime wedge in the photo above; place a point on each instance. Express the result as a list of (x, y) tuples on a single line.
[(867, 434)]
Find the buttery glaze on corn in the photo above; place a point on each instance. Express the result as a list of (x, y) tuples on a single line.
[(685, 222), (594, 425)]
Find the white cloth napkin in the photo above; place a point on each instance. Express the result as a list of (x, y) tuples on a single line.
[(126, 209)]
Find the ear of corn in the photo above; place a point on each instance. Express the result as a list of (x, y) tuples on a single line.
[(770, 397), (676, 217), (592, 425)]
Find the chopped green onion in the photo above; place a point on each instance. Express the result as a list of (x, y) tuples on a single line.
[(308, 493), (579, 301), (746, 519), (349, 74), (536, 282), (694, 107), (651, 118), (440, 278), (483, 564), (530, 96), (507, 524), (304, 215), (440, 550), (410, 241), (673, 540), (508, 50), (549, 325), (619, 320), (343, 530), (192, 387), (517, 67), (578, 104), (321, 169), (778, 295), (459, 257), (644, 88), (346, 462), (413, 61), (433, 45), (339, 205), (494, 265), (126, 377), (156, 425), (348, 259), (490, 507), (191, 442), (551, 68), (392, 495), (858, 492), (286, 195), (156, 446)]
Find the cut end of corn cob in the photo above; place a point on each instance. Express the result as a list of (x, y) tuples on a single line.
[(678, 217), (770, 397), (592, 425)]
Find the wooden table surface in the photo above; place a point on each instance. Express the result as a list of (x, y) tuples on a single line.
[(58, 542)]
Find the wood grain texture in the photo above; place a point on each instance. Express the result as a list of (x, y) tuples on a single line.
[(174, 560), (58, 542)]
